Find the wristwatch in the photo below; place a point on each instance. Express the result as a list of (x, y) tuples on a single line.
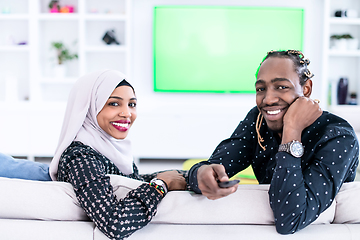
[(294, 147), (158, 182)]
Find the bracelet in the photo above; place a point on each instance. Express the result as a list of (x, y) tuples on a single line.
[(159, 185)]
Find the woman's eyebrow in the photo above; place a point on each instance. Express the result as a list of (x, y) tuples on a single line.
[(116, 97), (121, 98)]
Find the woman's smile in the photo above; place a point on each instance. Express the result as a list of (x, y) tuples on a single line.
[(121, 125)]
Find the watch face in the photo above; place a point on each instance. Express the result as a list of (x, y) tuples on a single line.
[(297, 149), (158, 182)]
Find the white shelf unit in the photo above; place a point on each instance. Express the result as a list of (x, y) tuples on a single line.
[(32, 98), (27, 71), (341, 63)]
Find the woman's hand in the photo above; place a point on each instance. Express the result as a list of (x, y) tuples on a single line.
[(173, 179)]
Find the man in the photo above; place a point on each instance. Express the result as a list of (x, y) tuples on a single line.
[(304, 153)]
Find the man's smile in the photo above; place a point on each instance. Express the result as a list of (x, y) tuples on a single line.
[(273, 113)]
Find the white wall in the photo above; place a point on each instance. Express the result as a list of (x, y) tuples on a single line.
[(178, 125)]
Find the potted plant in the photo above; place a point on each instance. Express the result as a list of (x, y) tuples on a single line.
[(338, 42), (62, 55), (54, 6), (344, 42)]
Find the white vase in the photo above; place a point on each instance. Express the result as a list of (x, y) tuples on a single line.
[(340, 44), (60, 71), (353, 44)]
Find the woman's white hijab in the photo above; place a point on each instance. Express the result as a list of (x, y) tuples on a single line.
[(87, 97)]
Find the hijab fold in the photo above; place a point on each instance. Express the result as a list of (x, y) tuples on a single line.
[(87, 97)]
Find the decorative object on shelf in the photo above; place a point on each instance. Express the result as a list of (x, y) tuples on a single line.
[(353, 99), (67, 9), (350, 13), (338, 42), (63, 55), (344, 42), (54, 6), (110, 37), (12, 41), (342, 90)]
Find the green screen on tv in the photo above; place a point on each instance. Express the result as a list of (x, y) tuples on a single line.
[(218, 49)]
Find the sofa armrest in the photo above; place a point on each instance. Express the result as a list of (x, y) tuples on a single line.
[(348, 203)]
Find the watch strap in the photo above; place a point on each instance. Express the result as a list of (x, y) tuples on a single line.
[(285, 147)]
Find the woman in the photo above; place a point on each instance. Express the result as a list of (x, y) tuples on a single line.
[(101, 110)]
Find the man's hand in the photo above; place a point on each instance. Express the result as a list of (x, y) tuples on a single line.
[(208, 175), (302, 113), (174, 180)]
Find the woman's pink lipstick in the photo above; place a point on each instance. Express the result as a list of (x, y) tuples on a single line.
[(121, 125)]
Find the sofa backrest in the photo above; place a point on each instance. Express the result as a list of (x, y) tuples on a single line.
[(25, 199)]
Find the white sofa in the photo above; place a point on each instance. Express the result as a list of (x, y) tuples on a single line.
[(49, 210)]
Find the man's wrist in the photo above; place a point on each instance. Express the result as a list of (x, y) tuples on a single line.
[(290, 134), (193, 179)]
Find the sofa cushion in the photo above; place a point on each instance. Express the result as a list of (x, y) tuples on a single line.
[(248, 205), (27, 199), (347, 203)]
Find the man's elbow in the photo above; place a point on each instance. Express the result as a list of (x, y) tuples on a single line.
[(286, 228)]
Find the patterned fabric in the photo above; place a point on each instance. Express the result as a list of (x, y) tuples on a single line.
[(86, 170), (301, 188)]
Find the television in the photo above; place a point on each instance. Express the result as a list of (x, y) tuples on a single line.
[(217, 49)]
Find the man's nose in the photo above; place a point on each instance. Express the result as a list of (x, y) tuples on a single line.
[(270, 97)]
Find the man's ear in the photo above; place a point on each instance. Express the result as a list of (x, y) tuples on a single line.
[(307, 88)]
